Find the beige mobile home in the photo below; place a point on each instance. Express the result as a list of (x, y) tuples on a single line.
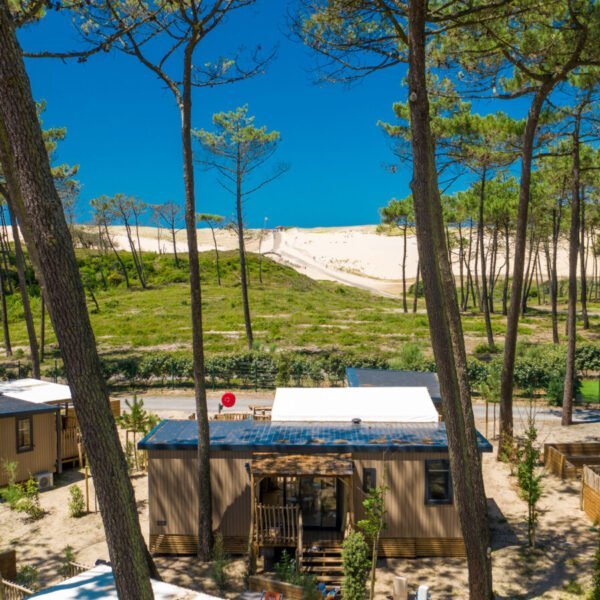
[(298, 481), (27, 437)]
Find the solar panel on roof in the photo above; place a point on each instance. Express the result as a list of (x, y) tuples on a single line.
[(265, 436)]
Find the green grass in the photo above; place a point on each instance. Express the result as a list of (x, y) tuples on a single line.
[(289, 312), (590, 391)]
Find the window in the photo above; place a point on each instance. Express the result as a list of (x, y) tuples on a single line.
[(24, 434), (438, 482), (369, 479)]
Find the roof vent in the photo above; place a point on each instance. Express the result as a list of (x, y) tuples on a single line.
[(356, 421)]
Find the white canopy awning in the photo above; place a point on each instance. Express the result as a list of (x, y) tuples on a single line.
[(36, 391), (372, 404)]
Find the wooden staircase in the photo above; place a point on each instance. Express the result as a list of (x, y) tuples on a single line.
[(323, 559)]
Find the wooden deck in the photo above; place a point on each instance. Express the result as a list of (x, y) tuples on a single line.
[(567, 460)]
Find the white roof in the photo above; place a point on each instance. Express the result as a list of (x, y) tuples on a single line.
[(36, 391), (99, 582), (370, 404)]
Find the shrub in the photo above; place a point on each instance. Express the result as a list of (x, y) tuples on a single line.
[(287, 571), (355, 557), (220, 560), (76, 502), (22, 497), (67, 557), (28, 576)]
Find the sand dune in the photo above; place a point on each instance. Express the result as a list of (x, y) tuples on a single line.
[(357, 256)]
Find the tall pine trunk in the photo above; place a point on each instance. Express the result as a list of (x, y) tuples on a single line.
[(5, 327), (40, 213), (214, 237), (242, 250), (34, 350), (512, 322), (444, 320), (485, 303), (204, 518), (404, 299), (570, 371), (582, 265), (506, 269)]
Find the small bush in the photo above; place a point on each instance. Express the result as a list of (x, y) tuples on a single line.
[(28, 576), (76, 502), (220, 560), (357, 564), (287, 571), (67, 557)]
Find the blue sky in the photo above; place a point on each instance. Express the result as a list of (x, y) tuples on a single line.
[(123, 126)]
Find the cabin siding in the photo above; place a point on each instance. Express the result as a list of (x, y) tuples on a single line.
[(407, 514), (43, 455), (174, 499), (172, 482)]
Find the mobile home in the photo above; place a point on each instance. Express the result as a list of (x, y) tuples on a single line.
[(299, 480)]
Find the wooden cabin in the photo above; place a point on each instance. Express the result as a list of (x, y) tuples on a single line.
[(299, 480), (36, 391), (28, 437)]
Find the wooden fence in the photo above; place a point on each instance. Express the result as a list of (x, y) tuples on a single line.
[(567, 460), (590, 492), (14, 591)]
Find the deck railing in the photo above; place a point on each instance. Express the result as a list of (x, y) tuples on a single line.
[(276, 525), (14, 591), (74, 568)]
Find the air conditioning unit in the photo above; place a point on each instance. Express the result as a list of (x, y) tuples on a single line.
[(45, 480)]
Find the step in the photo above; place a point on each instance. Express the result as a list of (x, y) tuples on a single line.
[(322, 559), (331, 570)]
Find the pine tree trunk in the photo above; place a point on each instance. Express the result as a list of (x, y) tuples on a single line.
[(416, 296), (556, 220), (485, 303), (570, 371), (214, 237), (204, 482), (506, 269), (461, 266), (34, 351), (39, 209), (117, 255), (242, 250), (42, 327), (5, 327), (444, 320), (582, 266), (404, 299), (512, 322), (174, 238)]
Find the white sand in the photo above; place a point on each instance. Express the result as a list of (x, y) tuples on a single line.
[(357, 256)]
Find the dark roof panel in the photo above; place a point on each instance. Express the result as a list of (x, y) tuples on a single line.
[(394, 378), (13, 407), (269, 436)]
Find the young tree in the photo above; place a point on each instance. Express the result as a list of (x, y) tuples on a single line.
[(103, 213), (213, 221), (400, 213), (37, 205), (372, 526), (169, 214), (126, 209), (164, 38), (528, 476), (237, 149)]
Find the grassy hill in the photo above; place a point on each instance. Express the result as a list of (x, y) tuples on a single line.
[(289, 311)]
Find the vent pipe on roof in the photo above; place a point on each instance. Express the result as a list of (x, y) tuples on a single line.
[(356, 421)]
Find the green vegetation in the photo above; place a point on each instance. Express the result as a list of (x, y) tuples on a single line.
[(357, 564), (76, 502), (22, 497), (291, 313), (589, 391), (287, 571)]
